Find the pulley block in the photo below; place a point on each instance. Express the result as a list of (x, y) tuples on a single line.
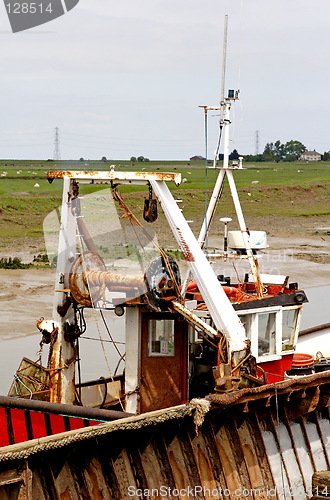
[(150, 213)]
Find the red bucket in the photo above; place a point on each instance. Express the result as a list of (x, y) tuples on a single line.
[(302, 360)]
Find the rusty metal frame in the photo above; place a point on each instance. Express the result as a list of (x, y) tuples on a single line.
[(194, 320), (117, 176)]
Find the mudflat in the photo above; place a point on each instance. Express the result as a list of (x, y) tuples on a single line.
[(25, 296), (297, 246)]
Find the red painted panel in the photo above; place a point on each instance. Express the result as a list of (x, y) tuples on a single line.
[(275, 369), (76, 423), (4, 441), (95, 422), (38, 425), (19, 425), (57, 423)]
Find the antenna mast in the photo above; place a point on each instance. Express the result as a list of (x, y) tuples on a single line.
[(225, 106), (222, 102)]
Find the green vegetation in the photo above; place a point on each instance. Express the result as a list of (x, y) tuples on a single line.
[(277, 152), (130, 252), (294, 188), (42, 258), (288, 152), (15, 263), (134, 253)]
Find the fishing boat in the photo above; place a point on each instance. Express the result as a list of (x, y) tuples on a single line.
[(210, 401)]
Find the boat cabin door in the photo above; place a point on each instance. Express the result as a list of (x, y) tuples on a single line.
[(163, 370)]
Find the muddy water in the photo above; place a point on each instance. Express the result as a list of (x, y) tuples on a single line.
[(26, 295), (94, 363)]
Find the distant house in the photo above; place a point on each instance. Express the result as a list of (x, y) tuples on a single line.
[(194, 158), (311, 156)]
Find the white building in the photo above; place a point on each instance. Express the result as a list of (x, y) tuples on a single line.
[(311, 156)]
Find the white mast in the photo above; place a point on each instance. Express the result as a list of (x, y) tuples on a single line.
[(224, 107)]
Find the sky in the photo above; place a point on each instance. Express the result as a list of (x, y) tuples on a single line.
[(122, 79)]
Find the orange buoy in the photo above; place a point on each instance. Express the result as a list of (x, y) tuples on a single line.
[(229, 290), (192, 287)]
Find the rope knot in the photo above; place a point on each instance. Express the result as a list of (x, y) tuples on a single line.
[(201, 407)]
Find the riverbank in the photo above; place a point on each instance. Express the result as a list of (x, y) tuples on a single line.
[(316, 229), (298, 247)]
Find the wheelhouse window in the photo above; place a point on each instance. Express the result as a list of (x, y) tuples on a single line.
[(266, 333), (289, 324), (161, 337), (246, 320), (271, 330)]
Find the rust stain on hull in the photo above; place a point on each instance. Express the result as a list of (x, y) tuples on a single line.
[(229, 457)]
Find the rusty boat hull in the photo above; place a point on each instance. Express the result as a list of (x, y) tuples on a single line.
[(252, 443)]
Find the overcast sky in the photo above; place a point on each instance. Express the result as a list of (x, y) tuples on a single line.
[(125, 78)]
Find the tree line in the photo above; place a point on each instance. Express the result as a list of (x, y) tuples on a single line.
[(139, 158), (290, 151)]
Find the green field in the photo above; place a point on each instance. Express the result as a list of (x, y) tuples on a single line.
[(283, 189)]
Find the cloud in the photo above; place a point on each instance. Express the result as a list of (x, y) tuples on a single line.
[(139, 70)]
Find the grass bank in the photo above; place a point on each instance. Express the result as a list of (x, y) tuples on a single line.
[(297, 189)]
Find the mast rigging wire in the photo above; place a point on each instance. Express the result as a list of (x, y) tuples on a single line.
[(109, 333), (205, 201)]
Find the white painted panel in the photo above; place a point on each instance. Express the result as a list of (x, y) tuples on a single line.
[(132, 365), (93, 396), (316, 446), (291, 463), (315, 342), (325, 430), (64, 392), (303, 455), (276, 465)]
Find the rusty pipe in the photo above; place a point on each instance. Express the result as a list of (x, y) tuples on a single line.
[(87, 237), (98, 278)]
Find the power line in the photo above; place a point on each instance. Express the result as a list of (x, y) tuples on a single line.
[(125, 139)]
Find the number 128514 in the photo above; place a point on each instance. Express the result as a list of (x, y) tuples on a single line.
[(28, 8)]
